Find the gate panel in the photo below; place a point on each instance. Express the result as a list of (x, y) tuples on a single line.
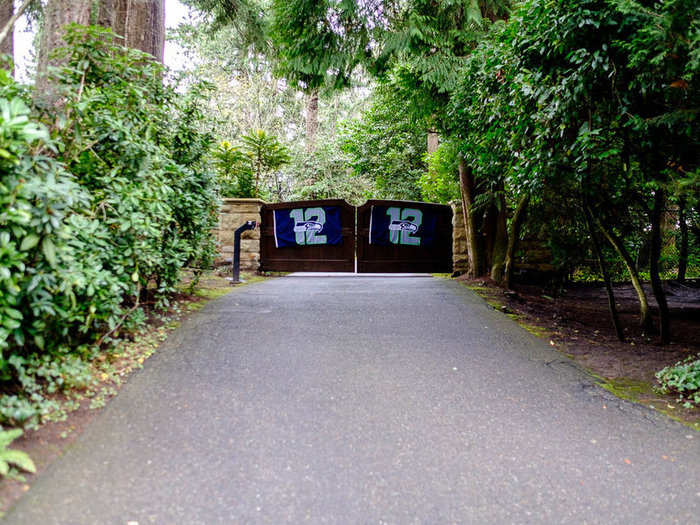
[(308, 236), (404, 237)]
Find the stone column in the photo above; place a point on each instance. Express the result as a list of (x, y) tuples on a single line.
[(460, 257), (234, 213)]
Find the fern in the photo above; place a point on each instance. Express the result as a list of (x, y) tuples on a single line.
[(9, 457)]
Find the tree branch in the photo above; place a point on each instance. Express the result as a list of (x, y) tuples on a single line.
[(10, 24)]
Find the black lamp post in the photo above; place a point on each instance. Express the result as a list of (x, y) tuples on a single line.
[(249, 225)]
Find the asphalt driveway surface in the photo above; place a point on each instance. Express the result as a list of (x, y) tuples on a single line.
[(366, 400)]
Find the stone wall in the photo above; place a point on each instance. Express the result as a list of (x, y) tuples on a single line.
[(235, 212)]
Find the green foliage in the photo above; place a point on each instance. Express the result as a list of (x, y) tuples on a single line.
[(325, 175), (243, 15), (683, 379), (9, 457), (38, 376), (440, 182), (234, 169), (424, 50), (248, 96), (320, 43), (557, 104), (97, 213), (246, 170), (121, 145), (37, 242), (387, 146), (266, 155)]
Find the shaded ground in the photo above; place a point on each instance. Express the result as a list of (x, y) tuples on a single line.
[(579, 323)]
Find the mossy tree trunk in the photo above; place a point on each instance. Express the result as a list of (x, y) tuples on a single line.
[(467, 189), (656, 284), (612, 307), (683, 249), (616, 242), (516, 224)]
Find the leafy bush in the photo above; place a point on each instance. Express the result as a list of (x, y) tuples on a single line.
[(683, 378), (386, 146), (132, 141), (251, 169), (101, 206), (10, 457), (40, 269), (235, 173), (326, 175), (440, 183)]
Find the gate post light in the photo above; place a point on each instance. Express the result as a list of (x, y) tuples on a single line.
[(236, 263)]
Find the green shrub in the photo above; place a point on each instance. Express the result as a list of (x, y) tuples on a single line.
[(440, 183), (37, 254), (9, 459), (134, 143), (101, 206), (683, 378), (235, 173)]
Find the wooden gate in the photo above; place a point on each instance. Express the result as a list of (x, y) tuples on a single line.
[(392, 237), (403, 237), (308, 236)]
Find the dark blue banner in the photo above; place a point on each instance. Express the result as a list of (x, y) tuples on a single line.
[(405, 226), (307, 226)]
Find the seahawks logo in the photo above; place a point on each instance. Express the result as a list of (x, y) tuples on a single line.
[(308, 226), (403, 226)]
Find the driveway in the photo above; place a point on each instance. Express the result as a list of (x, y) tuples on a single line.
[(363, 399)]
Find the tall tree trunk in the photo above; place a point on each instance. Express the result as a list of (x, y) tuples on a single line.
[(513, 238), (683, 250), (145, 27), (487, 225), (500, 242), (57, 14), (141, 23), (7, 45), (311, 121), (645, 320), (467, 189), (433, 141), (111, 14), (656, 284), (606, 276)]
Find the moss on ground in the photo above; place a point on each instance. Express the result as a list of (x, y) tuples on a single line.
[(630, 389), (211, 293)]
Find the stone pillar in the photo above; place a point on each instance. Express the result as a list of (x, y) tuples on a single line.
[(234, 213), (460, 256)]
